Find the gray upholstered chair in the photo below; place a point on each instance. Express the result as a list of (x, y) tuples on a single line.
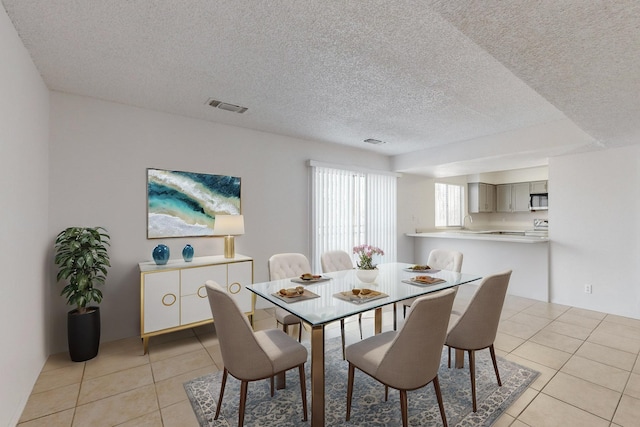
[(248, 355), (440, 259), (285, 266), (409, 358), (476, 328), (339, 261)]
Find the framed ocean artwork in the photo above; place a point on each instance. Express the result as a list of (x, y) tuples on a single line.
[(185, 204)]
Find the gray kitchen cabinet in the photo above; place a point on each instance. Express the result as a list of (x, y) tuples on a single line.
[(512, 197), (481, 197), (538, 187)]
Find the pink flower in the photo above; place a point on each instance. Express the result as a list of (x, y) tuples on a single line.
[(366, 253)]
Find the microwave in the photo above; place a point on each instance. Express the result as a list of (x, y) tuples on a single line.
[(539, 202)]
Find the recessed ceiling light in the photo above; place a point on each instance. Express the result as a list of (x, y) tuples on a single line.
[(374, 141), (226, 106)]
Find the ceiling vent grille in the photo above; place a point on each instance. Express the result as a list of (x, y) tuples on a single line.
[(374, 141), (226, 106)]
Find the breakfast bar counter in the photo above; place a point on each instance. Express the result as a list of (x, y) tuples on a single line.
[(489, 252), (493, 235)]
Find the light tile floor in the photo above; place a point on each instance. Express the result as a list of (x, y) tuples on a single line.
[(588, 364)]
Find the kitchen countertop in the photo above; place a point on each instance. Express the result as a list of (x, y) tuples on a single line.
[(513, 236)]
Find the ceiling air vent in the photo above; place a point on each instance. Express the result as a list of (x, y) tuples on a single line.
[(374, 141), (226, 106)]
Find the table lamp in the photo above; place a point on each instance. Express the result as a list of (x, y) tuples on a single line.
[(228, 226)]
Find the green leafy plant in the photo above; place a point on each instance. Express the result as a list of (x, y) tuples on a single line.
[(82, 260)]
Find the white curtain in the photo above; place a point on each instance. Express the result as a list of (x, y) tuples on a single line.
[(351, 208)]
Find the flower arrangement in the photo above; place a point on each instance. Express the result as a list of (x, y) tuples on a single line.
[(365, 254)]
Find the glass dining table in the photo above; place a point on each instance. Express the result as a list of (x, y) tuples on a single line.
[(330, 298)]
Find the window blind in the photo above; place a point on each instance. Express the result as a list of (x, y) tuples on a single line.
[(351, 208)]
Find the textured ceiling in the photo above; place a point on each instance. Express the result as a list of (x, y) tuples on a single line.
[(452, 86)]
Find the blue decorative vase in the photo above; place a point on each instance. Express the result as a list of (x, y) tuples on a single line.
[(161, 254), (187, 253)]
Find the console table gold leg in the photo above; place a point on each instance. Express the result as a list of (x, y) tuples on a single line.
[(145, 345)]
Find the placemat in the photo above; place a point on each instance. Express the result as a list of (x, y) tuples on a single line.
[(359, 299), (433, 281), (307, 282), (305, 295)]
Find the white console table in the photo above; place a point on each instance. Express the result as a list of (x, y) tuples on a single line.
[(173, 296)]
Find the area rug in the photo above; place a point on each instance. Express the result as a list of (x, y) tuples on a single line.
[(368, 407)]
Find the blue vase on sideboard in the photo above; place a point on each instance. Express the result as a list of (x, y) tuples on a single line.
[(161, 254), (187, 253)]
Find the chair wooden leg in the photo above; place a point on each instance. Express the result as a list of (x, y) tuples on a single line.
[(436, 385), (449, 357), (222, 384), (472, 373), (342, 336), (300, 332), (360, 324), (404, 311), (350, 389), (495, 364), (395, 317), (403, 408), (303, 391), (386, 393), (243, 402), (271, 386), (285, 328)]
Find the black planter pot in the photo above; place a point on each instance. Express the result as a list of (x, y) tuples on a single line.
[(83, 334)]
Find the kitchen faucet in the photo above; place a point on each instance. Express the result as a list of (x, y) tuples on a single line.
[(470, 220)]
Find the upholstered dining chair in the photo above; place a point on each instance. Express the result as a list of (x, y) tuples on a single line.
[(409, 358), (441, 259), (476, 327), (339, 261), (248, 355), (285, 266)]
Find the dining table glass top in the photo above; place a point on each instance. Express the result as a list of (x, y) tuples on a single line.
[(328, 306)]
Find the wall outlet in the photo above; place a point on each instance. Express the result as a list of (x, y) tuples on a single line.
[(587, 289)]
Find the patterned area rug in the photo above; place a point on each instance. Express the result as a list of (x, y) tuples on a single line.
[(368, 407)]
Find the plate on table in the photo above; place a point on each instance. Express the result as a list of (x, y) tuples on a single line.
[(314, 279), (360, 298), (424, 280), (294, 294), (421, 269)]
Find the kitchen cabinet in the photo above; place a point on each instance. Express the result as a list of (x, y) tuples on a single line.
[(512, 197), (538, 187), (481, 197), (173, 296)]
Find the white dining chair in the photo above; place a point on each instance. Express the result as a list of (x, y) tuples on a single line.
[(285, 266), (409, 358), (476, 328), (441, 259), (250, 355), (338, 261)]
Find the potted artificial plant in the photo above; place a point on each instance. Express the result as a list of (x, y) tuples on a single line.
[(82, 260)]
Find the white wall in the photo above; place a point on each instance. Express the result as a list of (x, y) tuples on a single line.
[(24, 243), (594, 230), (99, 155), (416, 198)]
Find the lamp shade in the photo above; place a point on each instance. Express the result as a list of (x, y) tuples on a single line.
[(228, 225)]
